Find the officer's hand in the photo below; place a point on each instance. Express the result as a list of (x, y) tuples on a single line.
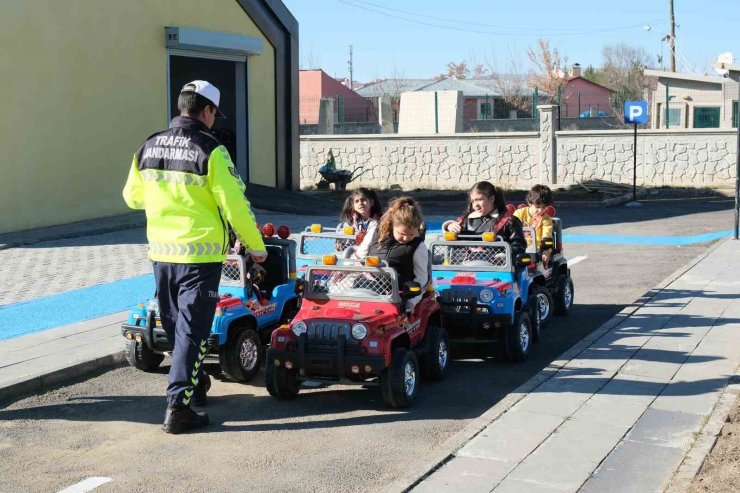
[(259, 258)]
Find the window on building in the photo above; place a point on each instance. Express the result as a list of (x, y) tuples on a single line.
[(485, 111), (673, 119), (734, 114), (706, 117)]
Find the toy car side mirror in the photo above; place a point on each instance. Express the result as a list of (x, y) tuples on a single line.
[(410, 290), (547, 243), (524, 259)]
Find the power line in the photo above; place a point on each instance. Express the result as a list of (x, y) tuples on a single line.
[(540, 33)]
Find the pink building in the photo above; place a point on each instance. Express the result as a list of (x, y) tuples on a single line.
[(583, 97), (316, 84)]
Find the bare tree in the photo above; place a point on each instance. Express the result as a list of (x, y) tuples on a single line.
[(622, 72), (509, 82), (458, 70), (549, 68)]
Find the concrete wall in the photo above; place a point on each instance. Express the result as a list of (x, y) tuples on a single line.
[(520, 159), (417, 113), (438, 162), (88, 84), (683, 158)]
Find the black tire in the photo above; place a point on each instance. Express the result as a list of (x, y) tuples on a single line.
[(243, 355), (542, 308), (563, 295), (281, 382), (396, 390), (140, 356), (437, 357), (518, 337)]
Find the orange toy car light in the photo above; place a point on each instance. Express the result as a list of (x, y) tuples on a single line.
[(283, 232), (348, 230), (372, 262), (488, 236), (316, 228), (450, 236), (268, 229), (329, 259)]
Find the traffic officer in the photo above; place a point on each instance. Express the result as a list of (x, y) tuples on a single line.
[(187, 184)]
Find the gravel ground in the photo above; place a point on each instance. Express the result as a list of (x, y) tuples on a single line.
[(721, 469)]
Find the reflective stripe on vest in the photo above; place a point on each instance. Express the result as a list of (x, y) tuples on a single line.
[(189, 249), (180, 178)]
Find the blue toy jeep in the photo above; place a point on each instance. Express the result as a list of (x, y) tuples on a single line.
[(254, 300), (485, 295)]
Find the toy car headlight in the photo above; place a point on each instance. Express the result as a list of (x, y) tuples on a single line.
[(359, 331), (299, 328), (486, 296)]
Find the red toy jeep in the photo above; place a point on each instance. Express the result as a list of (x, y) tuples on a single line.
[(352, 328)]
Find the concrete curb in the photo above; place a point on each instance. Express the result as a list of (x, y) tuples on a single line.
[(419, 470), (61, 377), (73, 230), (706, 438)]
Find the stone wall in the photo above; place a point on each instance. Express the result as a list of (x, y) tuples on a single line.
[(680, 158), (437, 162), (520, 159)]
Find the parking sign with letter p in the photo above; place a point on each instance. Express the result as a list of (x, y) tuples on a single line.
[(635, 112)]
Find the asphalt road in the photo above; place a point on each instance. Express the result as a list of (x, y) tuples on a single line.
[(334, 438)]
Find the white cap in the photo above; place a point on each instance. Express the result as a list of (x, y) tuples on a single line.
[(205, 89)]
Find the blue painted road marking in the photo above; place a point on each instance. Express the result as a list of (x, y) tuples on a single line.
[(103, 299), (73, 306), (645, 240)]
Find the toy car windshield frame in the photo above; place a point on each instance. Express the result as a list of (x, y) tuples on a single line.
[(330, 239), (437, 248), (345, 279), (234, 271)]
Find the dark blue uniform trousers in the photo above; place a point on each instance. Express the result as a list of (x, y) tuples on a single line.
[(187, 294)]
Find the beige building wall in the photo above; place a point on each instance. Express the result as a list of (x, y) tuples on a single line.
[(687, 95), (84, 83)]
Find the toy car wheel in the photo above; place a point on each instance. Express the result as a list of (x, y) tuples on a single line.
[(140, 356), (544, 306), (399, 383), (242, 356), (518, 337), (437, 358), (281, 382), (563, 295)]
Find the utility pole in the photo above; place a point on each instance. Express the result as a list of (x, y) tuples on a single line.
[(350, 68), (672, 41)]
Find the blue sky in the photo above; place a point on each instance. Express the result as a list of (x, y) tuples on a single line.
[(394, 38)]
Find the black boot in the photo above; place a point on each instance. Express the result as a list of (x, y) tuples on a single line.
[(181, 419), (200, 394)]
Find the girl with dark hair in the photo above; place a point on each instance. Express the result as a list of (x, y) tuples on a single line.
[(399, 242), (362, 211), (487, 212)]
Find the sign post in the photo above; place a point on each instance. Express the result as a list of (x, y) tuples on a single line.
[(636, 113)]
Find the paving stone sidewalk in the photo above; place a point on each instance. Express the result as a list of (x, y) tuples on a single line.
[(625, 412)]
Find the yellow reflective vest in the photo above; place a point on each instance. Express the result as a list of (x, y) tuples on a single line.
[(188, 186)]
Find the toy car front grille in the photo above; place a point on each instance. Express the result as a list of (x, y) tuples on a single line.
[(324, 335), (459, 300)]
